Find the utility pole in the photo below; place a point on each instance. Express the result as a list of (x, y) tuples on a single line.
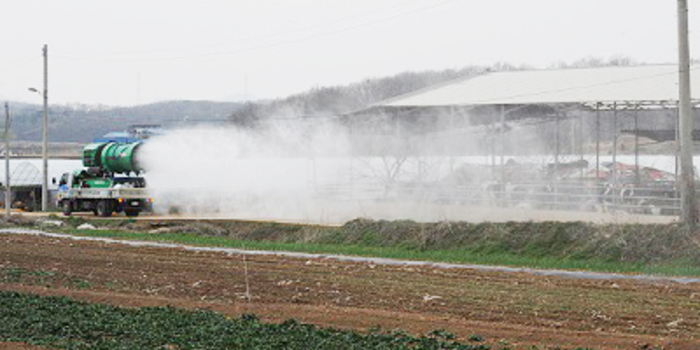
[(45, 135), (688, 201), (8, 191), (502, 141)]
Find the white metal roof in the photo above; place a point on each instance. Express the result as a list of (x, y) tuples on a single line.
[(634, 84)]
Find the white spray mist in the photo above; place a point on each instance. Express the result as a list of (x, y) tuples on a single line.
[(225, 171), (302, 171), (318, 170)]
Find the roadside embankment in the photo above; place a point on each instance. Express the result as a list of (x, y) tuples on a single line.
[(667, 249)]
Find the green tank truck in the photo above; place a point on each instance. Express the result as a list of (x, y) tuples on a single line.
[(111, 182)]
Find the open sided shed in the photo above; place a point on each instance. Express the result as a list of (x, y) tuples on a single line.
[(573, 94), (616, 88)]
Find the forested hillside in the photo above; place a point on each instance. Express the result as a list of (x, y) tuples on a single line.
[(327, 101), (82, 123)]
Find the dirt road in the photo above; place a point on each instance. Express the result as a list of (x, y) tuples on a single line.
[(514, 308)]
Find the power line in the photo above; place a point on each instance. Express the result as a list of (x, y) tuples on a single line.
[(271, 45), (264, 36), (18, 63)]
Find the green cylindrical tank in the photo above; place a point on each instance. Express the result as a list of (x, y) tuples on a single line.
[(112, 156)]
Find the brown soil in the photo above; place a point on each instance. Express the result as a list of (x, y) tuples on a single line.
[(514, 308)]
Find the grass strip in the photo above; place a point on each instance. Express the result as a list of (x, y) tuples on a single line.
[(677, 267)]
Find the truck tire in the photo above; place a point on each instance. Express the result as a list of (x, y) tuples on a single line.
[(66, 208), (132, 213), (104, 208)]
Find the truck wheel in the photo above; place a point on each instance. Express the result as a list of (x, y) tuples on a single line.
[(67, 208), (104, 208), (131, 212)]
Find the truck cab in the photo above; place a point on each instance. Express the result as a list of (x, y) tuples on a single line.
[(79, 191)]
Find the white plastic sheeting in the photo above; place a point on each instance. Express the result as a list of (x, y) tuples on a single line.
[(27, 171)]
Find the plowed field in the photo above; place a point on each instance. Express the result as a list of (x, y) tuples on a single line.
[(511, 310)]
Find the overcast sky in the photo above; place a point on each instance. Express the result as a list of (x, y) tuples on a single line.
[(130, 52)]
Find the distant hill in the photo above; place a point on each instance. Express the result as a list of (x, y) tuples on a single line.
[(336, 100), (83, 123)]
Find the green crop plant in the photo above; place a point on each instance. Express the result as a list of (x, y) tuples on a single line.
[(67, 324)]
